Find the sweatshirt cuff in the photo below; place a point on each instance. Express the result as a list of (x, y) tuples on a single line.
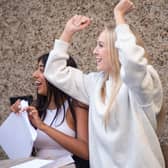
[(123, 31), (61, 45)]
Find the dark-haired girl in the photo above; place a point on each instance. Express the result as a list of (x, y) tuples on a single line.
[(61, 122)]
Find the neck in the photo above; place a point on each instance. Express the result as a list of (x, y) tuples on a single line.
[(52, 104)]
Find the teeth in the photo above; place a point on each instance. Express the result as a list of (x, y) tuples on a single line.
[(37, 83), (98, 60)]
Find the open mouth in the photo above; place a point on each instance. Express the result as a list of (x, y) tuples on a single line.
[(37, 83), (98, 60)]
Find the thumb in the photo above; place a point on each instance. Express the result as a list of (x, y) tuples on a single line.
[(85, 22)]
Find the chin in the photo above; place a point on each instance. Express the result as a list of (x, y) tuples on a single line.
[(41, 93), (99, 69)]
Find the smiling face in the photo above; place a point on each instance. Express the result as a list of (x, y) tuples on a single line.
[(40, 81), (101, 53)]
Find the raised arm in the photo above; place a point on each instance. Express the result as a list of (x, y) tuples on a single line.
[(70, 80), (140, 77), (121, 9)]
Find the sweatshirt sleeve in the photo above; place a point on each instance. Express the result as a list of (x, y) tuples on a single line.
[(71, 80), (140, 77)]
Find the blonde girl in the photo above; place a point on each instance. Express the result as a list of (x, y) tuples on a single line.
[(124, 96)]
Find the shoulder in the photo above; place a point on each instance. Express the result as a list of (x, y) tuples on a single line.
[(94, 77), (78, 104)]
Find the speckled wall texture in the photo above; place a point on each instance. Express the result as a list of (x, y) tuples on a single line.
[(28, 29)]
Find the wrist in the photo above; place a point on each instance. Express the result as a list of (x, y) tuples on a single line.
[(66, 36), (118, 13), (42, 126)]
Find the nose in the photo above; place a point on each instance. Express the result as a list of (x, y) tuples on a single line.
[(35, 74), (95, 50)]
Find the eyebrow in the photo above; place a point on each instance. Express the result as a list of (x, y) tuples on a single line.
[(41, 65), (100, 42)]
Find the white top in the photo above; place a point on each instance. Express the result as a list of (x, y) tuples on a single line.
[(49, 148), (130, 140)]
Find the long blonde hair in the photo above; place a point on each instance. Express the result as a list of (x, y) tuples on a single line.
[(115, 73), (115, 64)]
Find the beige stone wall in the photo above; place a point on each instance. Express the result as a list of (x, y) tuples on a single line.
[(29, 27)]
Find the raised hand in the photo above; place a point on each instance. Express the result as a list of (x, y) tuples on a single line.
[(121, 9), (75, 24)]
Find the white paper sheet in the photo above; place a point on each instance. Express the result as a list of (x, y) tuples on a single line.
[(36, 163), (17, 135)]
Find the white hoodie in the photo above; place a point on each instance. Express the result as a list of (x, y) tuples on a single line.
[(130, 140)]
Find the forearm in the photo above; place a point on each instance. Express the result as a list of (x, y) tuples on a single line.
[(131, 56), (76, 146), (66, 36), (119, 18), (136, 73), (68, 79)]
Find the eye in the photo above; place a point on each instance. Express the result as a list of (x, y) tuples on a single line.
[(41, 68), (100, 44)]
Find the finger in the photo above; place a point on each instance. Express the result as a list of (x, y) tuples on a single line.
[(16, 107), (32, 112), (84, 20), (17, 102), (30, 108), (85, 23), (132, 6), (12, 109), (130, 3), (74, 19), (77, 20), (128, 6)]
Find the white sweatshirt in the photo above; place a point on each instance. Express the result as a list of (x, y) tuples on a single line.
[(130, 140)]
